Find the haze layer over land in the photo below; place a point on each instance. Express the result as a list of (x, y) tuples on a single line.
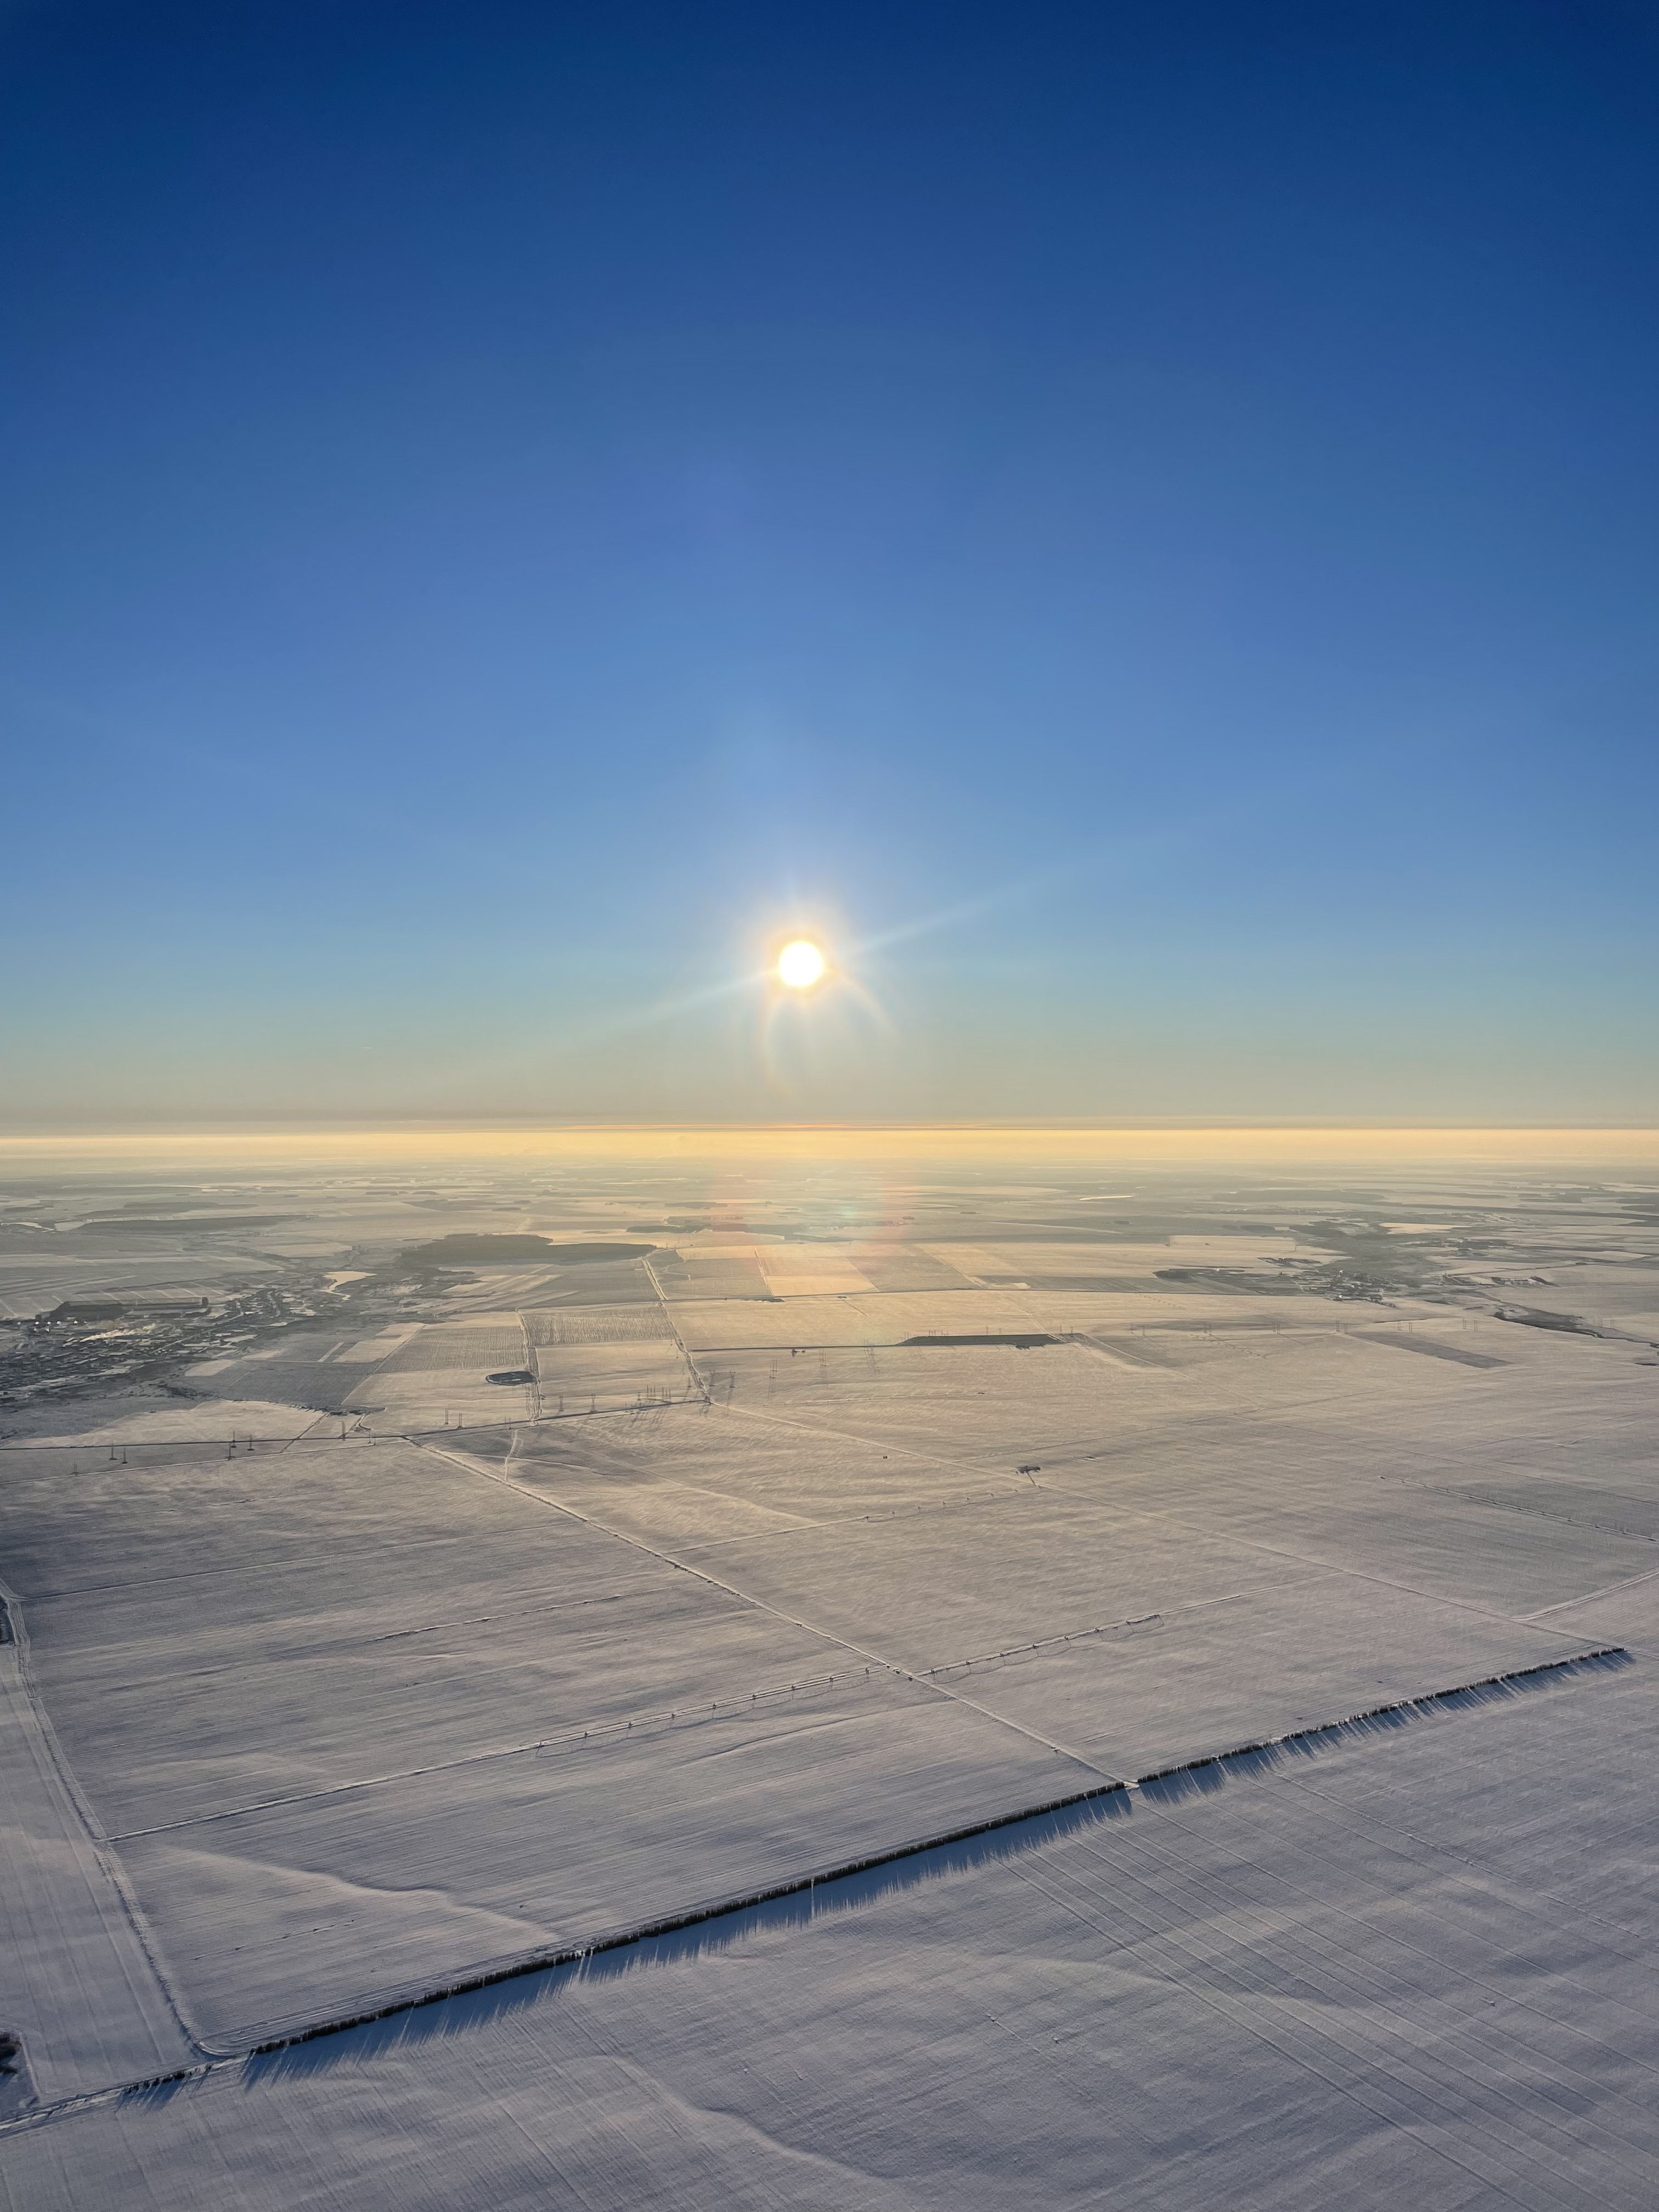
[(1135, 1683)]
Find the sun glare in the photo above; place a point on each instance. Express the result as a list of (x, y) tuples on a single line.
[(801, 964)]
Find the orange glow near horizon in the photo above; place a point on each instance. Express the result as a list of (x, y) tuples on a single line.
[(1149, 1145)]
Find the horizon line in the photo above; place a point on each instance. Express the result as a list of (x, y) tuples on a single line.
[(1116, 1145)]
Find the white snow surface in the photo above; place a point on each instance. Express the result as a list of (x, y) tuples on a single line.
[(298, 1729), (1402, 1967), (79, 1984)]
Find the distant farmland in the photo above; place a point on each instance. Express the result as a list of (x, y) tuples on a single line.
[(467, 1247)]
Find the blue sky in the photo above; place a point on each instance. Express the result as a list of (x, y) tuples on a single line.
[(1139, 523)]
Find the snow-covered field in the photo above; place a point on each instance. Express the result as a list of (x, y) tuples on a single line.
[(1411, 1967), (369, 1710)]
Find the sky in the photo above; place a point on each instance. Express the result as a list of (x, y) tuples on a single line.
[(1136, 525)]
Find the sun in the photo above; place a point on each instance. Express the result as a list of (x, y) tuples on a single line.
[(801, 964)]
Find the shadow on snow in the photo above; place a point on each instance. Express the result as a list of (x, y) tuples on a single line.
[(442, 2013)]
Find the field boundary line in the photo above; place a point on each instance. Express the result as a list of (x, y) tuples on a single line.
[(577, 1955), (1173, 1518), (690, 1363), (105, 1856), (601, 1733), (760, 1605)]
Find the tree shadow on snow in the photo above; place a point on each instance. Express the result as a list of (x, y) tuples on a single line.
[(1203, 1776), (445, 2014), (705, 1934)]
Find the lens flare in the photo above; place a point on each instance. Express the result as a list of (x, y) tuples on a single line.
[(801, 964)]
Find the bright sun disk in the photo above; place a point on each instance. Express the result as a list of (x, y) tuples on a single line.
[(801, 964)]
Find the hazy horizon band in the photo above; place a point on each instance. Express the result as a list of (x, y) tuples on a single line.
[(1147, 1144)]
